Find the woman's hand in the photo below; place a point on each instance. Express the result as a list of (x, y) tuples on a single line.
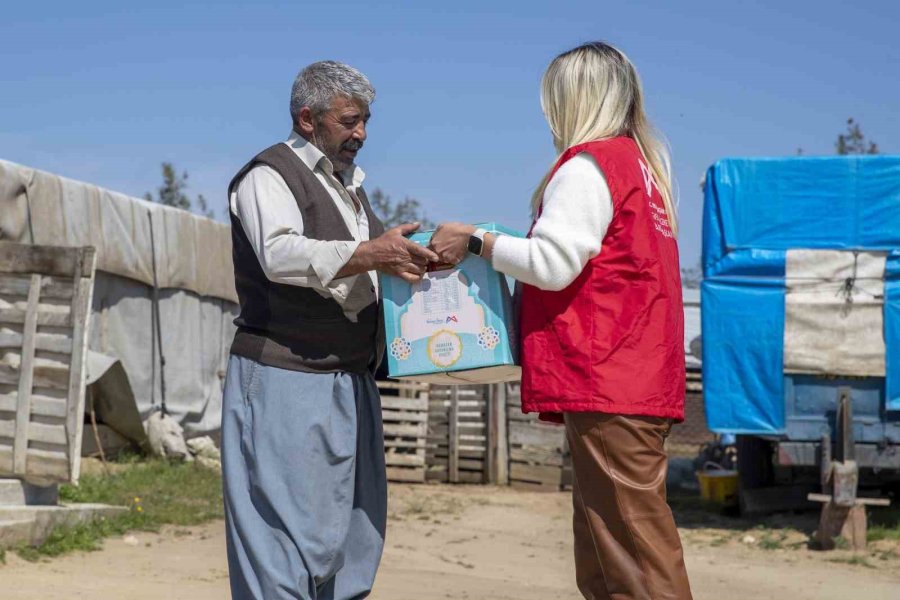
[(451, 241)]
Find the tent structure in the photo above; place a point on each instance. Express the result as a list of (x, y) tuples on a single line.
[(138, 243)]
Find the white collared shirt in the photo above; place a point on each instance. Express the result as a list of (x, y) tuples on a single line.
[(268, 212)]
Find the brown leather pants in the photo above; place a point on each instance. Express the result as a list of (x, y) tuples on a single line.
[(626, 543)]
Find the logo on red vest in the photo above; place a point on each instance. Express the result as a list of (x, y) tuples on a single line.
[(452, 319), (657, 212)]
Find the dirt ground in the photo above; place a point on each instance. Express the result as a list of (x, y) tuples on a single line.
[(472, 543)]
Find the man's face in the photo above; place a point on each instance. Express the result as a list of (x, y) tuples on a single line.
[(339, 132)]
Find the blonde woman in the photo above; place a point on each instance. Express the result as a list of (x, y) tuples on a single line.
[(602, 320)]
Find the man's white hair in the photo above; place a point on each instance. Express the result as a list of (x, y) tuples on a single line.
[(320, 82)]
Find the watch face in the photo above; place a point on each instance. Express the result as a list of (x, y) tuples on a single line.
[(475, 245)]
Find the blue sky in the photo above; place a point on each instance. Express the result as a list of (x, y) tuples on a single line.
[(105, 91)]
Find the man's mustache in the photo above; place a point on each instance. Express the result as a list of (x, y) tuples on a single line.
[(353, 145)]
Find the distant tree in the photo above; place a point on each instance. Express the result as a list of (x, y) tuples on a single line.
[(171, 193), (854, 142), (391, 213), (691, 276)]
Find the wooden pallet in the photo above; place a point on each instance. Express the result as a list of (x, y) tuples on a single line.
[(45, 303), (539, 456), (457, 448), (404, 409)]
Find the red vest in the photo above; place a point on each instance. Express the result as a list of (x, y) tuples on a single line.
[(613, 341)]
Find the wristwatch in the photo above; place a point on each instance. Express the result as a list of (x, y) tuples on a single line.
[(476, 242)]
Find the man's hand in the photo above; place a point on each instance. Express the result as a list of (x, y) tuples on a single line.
[(451, 242), (393, 254)]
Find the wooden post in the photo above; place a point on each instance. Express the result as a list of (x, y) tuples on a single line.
[(26, 378), (490, 436), (453, 437), (497, 458), (82, 297), (848, 522), (502, 435)]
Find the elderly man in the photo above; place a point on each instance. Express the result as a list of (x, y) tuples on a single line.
[(302, 441)]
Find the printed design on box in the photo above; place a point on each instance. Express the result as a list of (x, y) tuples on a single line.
[(442, 311), (488, 338), (441, 301), (444, 348), (401, 349)]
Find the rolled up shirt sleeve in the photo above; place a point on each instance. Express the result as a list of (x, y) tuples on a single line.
[(269, 215), (577, 211)]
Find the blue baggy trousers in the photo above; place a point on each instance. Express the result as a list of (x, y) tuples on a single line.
[(304, 481)]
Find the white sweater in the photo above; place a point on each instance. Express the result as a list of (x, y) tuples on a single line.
[(577, 212)]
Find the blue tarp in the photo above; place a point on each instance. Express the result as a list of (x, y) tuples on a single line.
[(754, 211)]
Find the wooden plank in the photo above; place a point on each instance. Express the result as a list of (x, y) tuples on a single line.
[(48, 342), (398, 443), (470, 477), (26, 378), (401, 474), (43, 260), (502, 435), (50, 287), (81, 314), (548, 436), (859, 500), (438, 404), (16, 316), (404, 460), (397, 429), (453, 438), (537, 456), (441, 442), (6, 458), (444, 421), (396, 403), (464, 389), (41, 463), (40, 404), (464, 392), (37, 432), (440, 474), (390, 416), (535, 473), (44, 375), (441, 451), (403, 385), (469, 428), (464, 464), (490, 469)]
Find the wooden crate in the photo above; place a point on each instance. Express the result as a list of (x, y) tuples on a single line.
[(404, 409), (45, 303), (457, 450), (539, 456)]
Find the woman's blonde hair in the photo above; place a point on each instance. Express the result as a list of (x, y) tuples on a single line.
[(591, 93)]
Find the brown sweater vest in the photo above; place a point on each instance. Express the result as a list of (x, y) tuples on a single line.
[(293, 327)]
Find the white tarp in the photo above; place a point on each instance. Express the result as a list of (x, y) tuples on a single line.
[(196, 299), (192, 253), (196, 335), (834, 312)]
